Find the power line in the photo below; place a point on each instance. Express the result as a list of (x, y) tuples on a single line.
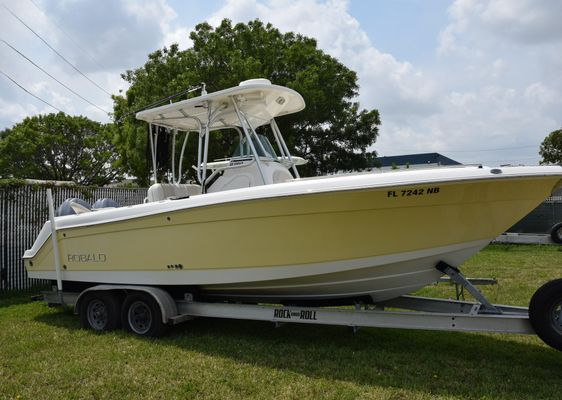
[(28, 92), (498, 149), (55, 51), (512, 159), (52, 77), (69, 36), (473, 151)]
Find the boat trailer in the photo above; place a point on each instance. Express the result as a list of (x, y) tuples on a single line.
[(149, 311)]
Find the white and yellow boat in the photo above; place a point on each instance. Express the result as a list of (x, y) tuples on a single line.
[(251, 229)]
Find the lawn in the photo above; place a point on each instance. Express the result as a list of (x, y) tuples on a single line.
[(45, 355)]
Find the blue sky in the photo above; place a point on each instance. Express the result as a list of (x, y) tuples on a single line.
[(407, 29), (477, 80)]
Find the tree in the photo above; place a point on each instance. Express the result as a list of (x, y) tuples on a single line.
[(551, 148), (59, 147), (332, 133)]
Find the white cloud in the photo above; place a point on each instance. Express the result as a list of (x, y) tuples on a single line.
[(179, 35), (523, 21), (15, 112), (512, 56), (109, 37), (520, 22), (150, 11), (495, 82), (102, 40), (472, 122), (386, 83)]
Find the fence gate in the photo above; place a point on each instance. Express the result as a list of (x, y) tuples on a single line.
[(23, 211)]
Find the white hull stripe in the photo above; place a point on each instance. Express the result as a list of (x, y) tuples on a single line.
[(452, 254)]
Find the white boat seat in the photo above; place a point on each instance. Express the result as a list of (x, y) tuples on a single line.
[(79, 208), (163, 191)]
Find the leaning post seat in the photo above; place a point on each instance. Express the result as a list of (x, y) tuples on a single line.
[(163, 191)]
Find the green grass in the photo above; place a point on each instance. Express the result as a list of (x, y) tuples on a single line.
[(45, 355)]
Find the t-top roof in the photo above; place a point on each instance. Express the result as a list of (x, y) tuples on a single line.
[(258, 99)]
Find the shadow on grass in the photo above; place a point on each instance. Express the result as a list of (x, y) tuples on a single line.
[(19, 297), (438, 363)]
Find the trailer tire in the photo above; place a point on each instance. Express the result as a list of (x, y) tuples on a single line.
[(142, 315), (100, 311), (545, 313), (556, 233)]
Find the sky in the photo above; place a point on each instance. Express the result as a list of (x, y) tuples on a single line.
[(479, 81)]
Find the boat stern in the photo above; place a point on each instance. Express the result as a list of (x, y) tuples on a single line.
[(39, 259)]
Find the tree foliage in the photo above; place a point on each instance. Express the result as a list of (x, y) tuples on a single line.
[(332, 133), (59, 147), (551, 148)]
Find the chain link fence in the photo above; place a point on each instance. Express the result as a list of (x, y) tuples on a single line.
[(23, 211)]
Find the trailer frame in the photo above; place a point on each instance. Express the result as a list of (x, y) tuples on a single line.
[(150, 310), (422, 312)]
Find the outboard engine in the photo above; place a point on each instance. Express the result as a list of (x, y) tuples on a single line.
[(73, 206), (106, 203)]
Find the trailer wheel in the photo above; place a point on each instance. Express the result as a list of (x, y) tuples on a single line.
[(100, 311), (545, 313), (556, 233), (141, 314)]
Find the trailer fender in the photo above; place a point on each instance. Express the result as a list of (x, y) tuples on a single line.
[(162, 298)]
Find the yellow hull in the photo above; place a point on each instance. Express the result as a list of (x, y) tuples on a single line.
[(313, 241)]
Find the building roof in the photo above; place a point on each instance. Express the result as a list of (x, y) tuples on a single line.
[(416, 159)]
